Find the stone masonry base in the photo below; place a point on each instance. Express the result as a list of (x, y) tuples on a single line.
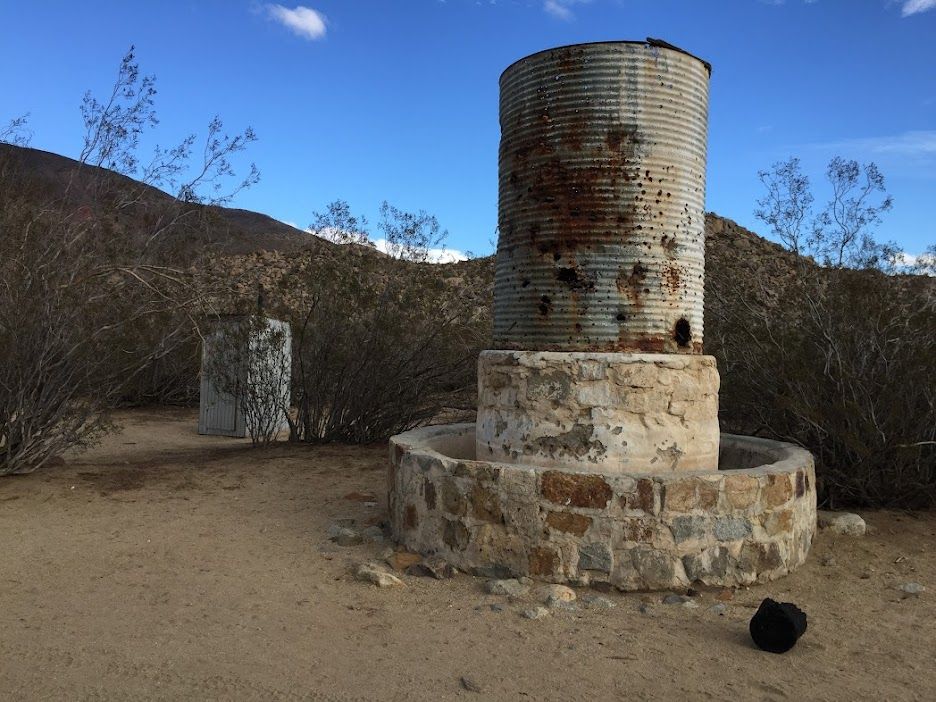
[(610, 412), (750, 521)]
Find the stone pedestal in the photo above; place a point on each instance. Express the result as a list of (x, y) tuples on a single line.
[(605, 412)]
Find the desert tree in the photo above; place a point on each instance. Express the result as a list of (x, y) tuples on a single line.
[(16, 131), (833, 359), (339, 225), (841, 233), (410, 235), (786, 207), (86, 306), (381, 344), (844, 230), (829, 356), (924, 264)]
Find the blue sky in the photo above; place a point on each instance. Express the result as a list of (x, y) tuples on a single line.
[(367, 100)]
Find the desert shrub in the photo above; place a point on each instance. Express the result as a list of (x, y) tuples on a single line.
[(835, 357), (251, 360), (87, 304), (382, 346), (64, 311), (170, 373), (838, 361)]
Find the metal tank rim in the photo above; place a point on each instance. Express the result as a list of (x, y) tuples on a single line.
[(656, 43)]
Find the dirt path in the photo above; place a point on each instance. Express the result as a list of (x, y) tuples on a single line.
[(164, 565)]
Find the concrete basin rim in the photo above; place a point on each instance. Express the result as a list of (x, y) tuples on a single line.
[(789, 458)]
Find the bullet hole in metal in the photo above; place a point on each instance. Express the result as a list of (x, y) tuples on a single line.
[(682, 333), (545, 305)]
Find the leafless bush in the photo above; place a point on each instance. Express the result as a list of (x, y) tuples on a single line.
[(410, 236), (381, 345), (16, 131), (835, 359), (87, 307), (251, 360), (64, 308), (841, 233), (839, 362)]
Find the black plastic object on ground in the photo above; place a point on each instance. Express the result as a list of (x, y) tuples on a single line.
[(776, 626)]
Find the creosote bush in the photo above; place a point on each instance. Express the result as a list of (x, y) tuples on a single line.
[(381, 343), (380, 349), (250, 360), (90, 307), (65, 307), (836, 362)]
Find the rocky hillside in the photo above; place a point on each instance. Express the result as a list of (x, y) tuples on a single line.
[(226, 231)]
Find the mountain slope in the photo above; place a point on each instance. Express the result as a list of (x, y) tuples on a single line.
[(233, 231)]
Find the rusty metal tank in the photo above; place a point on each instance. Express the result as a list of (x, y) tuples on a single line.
[(601, 200)]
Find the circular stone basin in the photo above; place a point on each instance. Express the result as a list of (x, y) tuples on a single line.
[(750, 521)]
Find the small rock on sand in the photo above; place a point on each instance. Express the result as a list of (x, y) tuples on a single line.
[(372, 573), (555, 593), (843, 523), (374, 534), (432, 567), (567, 605), (506, 587), (672, 599), (592, 601), (535, 613), (344, 535), (470, 685), (401, 560), (911, 589)]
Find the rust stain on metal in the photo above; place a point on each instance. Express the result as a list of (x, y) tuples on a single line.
[(672, 277)]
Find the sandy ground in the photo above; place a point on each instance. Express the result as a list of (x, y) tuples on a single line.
[(164, 565)]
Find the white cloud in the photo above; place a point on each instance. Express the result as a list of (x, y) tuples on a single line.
[(562, 9), (433, 255), (913, 144), (296, 226), (303, 21), (913, 7), (910, 154), (916, 263)]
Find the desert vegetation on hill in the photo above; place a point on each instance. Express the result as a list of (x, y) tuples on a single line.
[(834, 359), (838, 357), (380, 344)]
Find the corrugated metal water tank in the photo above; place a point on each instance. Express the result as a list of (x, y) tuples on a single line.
[(221, 412), (601, 200)]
